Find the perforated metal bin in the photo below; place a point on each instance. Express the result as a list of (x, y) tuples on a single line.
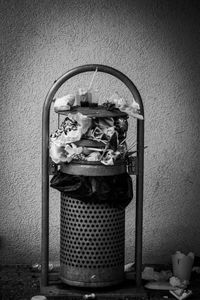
[(92, 243), (92, 234)]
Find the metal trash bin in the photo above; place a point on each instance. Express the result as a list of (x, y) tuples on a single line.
[(138, 169), (92, 243)]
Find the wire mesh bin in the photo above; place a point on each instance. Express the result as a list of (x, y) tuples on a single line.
[(92, 243)]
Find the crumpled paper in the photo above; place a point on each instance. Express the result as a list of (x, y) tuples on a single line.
[(60, 152), (57, 151), (64, 103), (62, 147), (83, 121), (150, 274), (93, 156), (132, 109)]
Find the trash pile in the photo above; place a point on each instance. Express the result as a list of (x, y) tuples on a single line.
[(97, 134), (93, 134)]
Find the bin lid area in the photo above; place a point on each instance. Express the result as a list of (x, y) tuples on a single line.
[(94, 112), (93, 168)]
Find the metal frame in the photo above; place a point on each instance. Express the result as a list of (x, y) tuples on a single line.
[(45, 166)]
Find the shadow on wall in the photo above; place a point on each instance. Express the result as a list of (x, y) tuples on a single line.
[(168, 238)]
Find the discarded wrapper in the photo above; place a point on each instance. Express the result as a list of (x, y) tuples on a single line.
[(150, 274), (130, 267), (182, 265), (39, 297), (178, 283), (37, 267), (181, 294), (159, 285), (132, 109), (64, 103)]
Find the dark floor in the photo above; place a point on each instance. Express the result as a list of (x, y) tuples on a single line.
[(21, 282), (18, 282)]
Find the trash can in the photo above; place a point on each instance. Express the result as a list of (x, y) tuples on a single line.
[(92, 243), (92, 233), (93, 228)]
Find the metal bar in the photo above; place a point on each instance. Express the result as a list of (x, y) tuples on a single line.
[(101, 68), (139, 202), (45, 198), (45, 165)]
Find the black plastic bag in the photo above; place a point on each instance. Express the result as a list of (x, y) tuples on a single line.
[(115, 189), (65, 183)]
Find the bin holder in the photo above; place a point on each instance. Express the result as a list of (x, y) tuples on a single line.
[(45, 166)]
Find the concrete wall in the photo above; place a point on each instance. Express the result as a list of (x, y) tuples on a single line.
[(155, 43)]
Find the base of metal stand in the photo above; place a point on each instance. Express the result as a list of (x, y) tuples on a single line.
[(58, 290)]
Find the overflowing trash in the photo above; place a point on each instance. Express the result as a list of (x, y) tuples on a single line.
[(104, 139), (97, 134), (93, 134)]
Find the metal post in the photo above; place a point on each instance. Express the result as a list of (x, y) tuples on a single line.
[(45, 197), (139, 202)]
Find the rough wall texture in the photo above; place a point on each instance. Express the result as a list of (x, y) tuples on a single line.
[(155, 43)]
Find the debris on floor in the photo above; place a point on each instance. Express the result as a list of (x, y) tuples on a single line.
[(22, 282), (150, 274), (181, 294)]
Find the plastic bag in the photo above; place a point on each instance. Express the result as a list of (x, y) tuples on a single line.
[(65, 183), (111, 189)]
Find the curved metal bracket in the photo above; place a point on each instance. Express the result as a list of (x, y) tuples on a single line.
[(45, 165)]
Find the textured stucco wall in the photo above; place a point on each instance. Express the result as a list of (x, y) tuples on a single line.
[(155, 43)]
